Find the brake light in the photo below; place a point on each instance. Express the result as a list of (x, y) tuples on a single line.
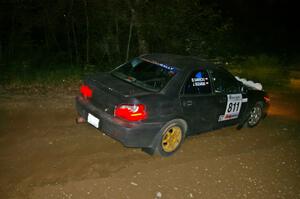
[(131, 112), (86, 91)]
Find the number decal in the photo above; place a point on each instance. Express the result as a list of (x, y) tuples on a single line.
[(233, 107)]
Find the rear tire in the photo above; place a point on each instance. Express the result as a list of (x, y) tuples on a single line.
[(256, 115), (172, 136)]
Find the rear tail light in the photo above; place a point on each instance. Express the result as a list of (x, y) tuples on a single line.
[(86, 91), (131, 112)]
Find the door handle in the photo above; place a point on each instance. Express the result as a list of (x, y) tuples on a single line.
[(188, 103)]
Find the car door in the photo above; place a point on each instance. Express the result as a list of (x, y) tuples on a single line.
[(231, 100), (198, 102)]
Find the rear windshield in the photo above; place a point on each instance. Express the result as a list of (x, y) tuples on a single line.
[(145, 74)]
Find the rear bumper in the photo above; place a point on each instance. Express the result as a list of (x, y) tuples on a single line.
[(131, 134)]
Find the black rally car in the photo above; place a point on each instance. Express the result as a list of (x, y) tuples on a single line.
[(154, 101)]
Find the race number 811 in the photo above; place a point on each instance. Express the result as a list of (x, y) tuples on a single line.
[(234, 102), (233, 107)]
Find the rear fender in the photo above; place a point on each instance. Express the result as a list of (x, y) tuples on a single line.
[(156, 140)]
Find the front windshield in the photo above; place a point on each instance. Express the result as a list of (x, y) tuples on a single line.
[(142, 73)]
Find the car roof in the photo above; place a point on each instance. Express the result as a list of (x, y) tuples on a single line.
[(178, 61)]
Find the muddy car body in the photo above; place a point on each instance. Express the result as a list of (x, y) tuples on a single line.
[(154, 101)]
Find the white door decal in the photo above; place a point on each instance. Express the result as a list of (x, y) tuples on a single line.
[(233, 107)]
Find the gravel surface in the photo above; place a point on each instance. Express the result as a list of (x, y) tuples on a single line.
[(44, 154)]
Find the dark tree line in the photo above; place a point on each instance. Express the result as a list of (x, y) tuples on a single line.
[(107, 32)]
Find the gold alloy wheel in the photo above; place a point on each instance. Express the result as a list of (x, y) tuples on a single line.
[(171, 139)]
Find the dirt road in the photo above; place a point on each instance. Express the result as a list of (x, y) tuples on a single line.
[(44, 154)]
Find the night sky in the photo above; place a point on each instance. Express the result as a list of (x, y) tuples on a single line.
[(274, 22)]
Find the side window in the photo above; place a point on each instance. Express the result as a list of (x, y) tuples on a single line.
[(197, 83), (224, 82)]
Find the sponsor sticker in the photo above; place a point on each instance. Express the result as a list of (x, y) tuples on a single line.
[(199, 80)]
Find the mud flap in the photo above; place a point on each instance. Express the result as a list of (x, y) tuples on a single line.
[(150, 151), (242, 122)]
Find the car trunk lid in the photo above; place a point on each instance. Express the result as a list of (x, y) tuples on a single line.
[(109, 91)]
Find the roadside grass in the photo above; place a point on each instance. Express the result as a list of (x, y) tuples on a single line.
[(24, 78), (58, 78), (267, 70)]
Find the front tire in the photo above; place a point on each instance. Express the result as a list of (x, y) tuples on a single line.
[(256, 115), (171, 137)]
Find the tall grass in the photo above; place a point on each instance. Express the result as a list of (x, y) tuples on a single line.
[(267, 70), (29, 75), (26, 74)]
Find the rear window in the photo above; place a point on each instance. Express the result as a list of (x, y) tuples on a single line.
[(145, 74)]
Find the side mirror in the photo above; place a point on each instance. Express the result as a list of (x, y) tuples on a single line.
[(243, 89)]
